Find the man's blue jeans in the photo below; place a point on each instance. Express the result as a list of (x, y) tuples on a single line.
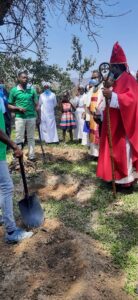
[(6, 197)]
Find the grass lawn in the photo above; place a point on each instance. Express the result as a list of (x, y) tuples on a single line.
[(113, 222)]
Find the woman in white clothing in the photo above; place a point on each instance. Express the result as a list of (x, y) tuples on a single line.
[(80, 109), (47, 103)]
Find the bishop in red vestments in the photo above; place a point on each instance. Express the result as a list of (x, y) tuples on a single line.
[(124, 124)]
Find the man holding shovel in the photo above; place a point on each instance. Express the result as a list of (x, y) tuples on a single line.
[(123, 110), (13, 233)]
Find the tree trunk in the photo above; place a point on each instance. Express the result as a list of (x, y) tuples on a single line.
[(4, 7)]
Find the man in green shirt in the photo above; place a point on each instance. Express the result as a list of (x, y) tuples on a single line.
[(13, 233), (24, 102)]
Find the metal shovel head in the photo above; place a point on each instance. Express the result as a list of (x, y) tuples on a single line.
[(31, 211)]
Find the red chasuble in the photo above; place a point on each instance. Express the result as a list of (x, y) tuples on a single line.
[(124, 125)]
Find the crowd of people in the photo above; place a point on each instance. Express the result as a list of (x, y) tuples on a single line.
[(84, 117)]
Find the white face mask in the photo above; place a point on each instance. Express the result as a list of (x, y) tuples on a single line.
[(95, 81)]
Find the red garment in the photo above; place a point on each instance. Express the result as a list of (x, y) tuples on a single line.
[(118, 56), (124, 124)]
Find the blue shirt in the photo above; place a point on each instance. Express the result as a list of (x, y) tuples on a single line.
[(3, 99)]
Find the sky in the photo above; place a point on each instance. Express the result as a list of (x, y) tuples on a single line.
[(122, 29)]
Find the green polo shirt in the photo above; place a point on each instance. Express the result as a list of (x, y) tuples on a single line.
[(2, 145), (25, 99)]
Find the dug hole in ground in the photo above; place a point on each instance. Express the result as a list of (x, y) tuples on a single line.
[(62, 261)]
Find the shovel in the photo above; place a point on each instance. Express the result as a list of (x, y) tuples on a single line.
[(42, 149), (30, 208)]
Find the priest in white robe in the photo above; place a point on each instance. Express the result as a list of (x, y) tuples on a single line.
[(47, 104)]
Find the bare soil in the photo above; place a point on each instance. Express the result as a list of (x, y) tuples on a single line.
[(59, 263)]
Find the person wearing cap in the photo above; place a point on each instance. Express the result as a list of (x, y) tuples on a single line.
[(24, 102), (95, 104), (47, 105), (123, 101)]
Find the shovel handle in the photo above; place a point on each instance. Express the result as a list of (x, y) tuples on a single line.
[(43, 152), (110, 147), (23, 177)]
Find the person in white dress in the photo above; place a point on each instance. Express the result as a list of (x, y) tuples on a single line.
[(47, 104), (80, 109), (86, 116)]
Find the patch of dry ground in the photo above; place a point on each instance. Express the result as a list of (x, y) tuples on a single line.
[(58, 263)]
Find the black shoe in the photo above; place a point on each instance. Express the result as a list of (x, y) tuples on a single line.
[(94, 158), (125, 190), (32, 159)]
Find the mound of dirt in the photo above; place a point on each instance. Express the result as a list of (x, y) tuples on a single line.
[(58, 264)]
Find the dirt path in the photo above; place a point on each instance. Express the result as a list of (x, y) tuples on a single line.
[(59, 263)]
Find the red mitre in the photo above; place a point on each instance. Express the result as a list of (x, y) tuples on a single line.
[(118, 56)]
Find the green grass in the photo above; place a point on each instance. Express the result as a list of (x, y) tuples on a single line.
[(116, 226), (73, 168), (71, 214)]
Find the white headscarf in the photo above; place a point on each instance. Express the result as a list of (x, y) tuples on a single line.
[(81, 86), (46, 83)]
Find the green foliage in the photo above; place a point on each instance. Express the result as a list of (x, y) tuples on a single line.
[(10, 66), (78, 63), (37, 71)]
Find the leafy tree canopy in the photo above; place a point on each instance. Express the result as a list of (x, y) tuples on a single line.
[(37, 71), (78, 63)]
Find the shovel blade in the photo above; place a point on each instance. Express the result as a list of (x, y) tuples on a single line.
[(31, 211)]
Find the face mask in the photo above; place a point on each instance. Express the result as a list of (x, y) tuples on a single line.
[(95, 81), (47, 92)]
